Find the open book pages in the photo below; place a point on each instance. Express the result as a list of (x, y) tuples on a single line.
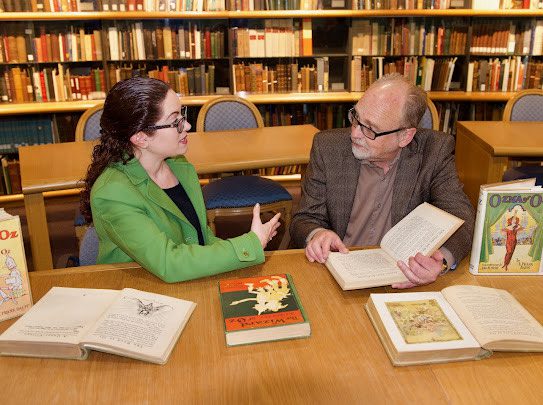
[(67, 322), (420, 328), (508, 235), (460, 323), (423, 230)]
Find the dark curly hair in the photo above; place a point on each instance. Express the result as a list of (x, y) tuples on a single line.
[(131, 106)]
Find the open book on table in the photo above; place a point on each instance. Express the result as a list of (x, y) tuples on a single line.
[(461, 322), (423, 230), (68, 322)]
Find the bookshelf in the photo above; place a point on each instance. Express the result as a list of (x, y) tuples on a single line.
[(331, 35)]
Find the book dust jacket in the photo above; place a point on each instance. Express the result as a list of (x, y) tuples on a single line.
[(15, 295), (260, 302), (512, 237)]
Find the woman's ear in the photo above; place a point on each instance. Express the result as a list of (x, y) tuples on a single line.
[(139, 140)]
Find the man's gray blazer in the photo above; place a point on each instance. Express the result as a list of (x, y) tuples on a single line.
[(426, 173)]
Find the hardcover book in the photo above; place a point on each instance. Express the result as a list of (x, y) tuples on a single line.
[(15, 294), (68, 322), (508, 235), (260, 309), (423, 230), (461, 322)]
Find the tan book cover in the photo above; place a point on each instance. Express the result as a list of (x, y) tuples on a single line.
[(15, 294)]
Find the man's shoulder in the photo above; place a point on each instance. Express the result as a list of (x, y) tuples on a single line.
[(333, 138)]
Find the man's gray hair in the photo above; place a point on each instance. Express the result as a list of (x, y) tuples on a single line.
[(415, 101)]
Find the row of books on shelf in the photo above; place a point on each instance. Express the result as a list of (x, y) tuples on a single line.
[(111, 5), (10, 176), (507, 37), (281, 78), (281, 37), (408, 4), (125, 41), (15, 132), (22, 85)]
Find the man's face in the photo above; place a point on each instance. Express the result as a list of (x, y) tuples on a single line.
[(381, 110)]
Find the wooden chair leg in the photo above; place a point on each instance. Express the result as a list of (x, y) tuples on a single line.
[(211, 221)]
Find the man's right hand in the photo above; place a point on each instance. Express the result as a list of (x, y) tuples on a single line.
[(320, 245)]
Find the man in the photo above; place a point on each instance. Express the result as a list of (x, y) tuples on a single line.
[(361, 182)]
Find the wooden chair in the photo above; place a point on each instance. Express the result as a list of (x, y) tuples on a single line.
[(526, 105), (88, 126), (430, 119), (236, 195)]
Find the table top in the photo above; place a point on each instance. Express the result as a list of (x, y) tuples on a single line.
[(342, 361), (505, 138), (63, 165)]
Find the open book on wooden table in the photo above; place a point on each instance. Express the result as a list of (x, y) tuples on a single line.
[(423, 230), (461, 322), (68, 322)]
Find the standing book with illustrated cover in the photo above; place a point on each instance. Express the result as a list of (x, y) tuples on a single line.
[(423, 230), (15, 294), (260, 309), (508, 235), (462, 322), (68, 322)]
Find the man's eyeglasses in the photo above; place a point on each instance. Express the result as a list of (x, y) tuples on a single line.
[(179, 123), (367, 131)]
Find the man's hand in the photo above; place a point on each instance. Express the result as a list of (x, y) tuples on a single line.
[(321, 244), (422, 270)]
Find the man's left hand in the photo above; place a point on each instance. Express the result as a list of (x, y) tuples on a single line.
[(422, 270)]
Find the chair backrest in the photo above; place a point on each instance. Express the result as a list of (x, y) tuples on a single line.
[(88, 126), (526, 105), (430, 119), (88, 249), (228, 112)]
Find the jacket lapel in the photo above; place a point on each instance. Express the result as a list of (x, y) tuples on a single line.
[(406, 180)]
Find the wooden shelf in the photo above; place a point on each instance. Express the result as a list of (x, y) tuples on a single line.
[(146, 15), (275, 98)]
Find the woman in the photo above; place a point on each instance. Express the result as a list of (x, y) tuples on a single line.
[(510, 232), (146, 200)]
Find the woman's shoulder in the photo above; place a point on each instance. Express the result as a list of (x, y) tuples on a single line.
[(112, 180)]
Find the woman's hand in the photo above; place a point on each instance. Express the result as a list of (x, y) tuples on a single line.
[(267, 231)]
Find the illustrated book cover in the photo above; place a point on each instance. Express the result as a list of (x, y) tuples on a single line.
[(423, 230), (461, 322), (69, 322), (508, 235), (15, 294), (259, 309)]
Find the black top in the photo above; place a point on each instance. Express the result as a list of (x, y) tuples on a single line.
[(179, 196)]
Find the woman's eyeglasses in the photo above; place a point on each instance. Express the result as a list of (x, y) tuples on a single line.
[(179, 123)]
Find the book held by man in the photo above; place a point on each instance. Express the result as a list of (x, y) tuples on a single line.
[(69, 322), (461, 322), (15, 294), (260, 309), (508, 234), (423, 230)]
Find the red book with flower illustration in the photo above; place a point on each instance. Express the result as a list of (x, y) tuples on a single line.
[(263, 308)]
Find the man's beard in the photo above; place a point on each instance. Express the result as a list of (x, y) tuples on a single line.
[(360, 154)]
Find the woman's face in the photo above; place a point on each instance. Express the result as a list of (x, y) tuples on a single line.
[(168, 142)]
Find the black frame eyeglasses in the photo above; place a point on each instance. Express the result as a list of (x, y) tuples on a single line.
[(179, 123), (367, 131)]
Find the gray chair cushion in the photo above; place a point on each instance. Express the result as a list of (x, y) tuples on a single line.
[(528, 108), (228, 115), (88, 250), (426, 120), (92, 126)]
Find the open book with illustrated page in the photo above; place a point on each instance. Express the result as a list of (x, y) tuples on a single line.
[(508, 235), (262, 308), (461, 322), (423, 230), (68, 322)]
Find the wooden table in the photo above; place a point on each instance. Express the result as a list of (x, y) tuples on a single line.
[(485, 149), (342, 362), (63, 165)]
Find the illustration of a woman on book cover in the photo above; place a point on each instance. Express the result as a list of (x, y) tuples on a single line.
[(510, 231)]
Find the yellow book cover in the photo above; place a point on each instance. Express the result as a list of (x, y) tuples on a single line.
[(15, 294)]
